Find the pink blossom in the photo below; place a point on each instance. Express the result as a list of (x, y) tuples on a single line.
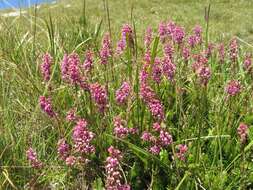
[(119, 129), (88, 62), (178, 34), (148, 37), (204, 74), (162, 31), (99, 96), (71, 115), (63, 149), (221, 53), (168, 50), (156, 109), (105, 51), (165, 138), (71, 160), (247, 64), (123, 93), (157, 71), (169, 69), (182, 149), (45, 66), (186, 53), (155, 149), (82, 138), (233, 88), (156, 127), (243, 132), (233, 50), (46, 106), (146, 136), (33, 159)]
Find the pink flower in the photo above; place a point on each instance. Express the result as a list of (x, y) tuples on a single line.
[(156, 109), (119, 129), (121, 45), (105, 51), (45, 66), (156, 127), (46, 106), (178, 34), (148, 37), (63, 149), (233, 50), (221, 51), (123, 93), (186, 53), (70, 160), (71, 115), (165, 138), (182, 149), (155, 149), (170, 28), (32, 158), (146, 136), (243, 132), (162, 31), (113, 175), (157, 71), (82, 138), (192, 41), (197, 30), (65, 67), (88, 62), (204, 74), (200, 61), (169, 69), (99, 96), (168, 50), (233, 88), (247, 64)]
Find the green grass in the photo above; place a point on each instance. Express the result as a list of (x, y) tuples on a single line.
[(59, 29)]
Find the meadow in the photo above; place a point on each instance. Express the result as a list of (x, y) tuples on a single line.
[(124, 95)]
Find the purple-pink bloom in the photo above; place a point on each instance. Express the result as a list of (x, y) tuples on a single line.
[(204, 74), (168, 50), (121, 45), (182, 150), (221, 53), (186, 53), (148, 37), (119, 129), (70, 160), (146, 136), (156, 109), (233, 50), (113, 175), (233, 88), (169, 69), (157, 71), (105, 51), (162, 30), (63, 149), (99, 96), (71, 115), (82, 138), (123, 93), (157, 127), (165, 138), (88, 62), (155, 149), (247, 64), (46, 106), (178, 35), (170, 28), (243, 132), (45, 66), (33, 159)]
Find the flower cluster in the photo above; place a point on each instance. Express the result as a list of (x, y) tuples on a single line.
[(119, 129), (182, 150), (113, 175), (33, 159), (169, 68), (233, 50), (157, 71), (99, 96), (82, 138), (162, 140), (46, 106), (243, 132), (148, 37), (88, 62), (45, 66), (126, 38), (233, 88), (106, 49), (123, 93), (247, 64), (63, 149), (196, 38)]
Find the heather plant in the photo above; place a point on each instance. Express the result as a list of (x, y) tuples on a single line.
[(169, 109)]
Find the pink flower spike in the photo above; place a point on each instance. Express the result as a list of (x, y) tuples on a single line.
[(45, 66), (243, 132)]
